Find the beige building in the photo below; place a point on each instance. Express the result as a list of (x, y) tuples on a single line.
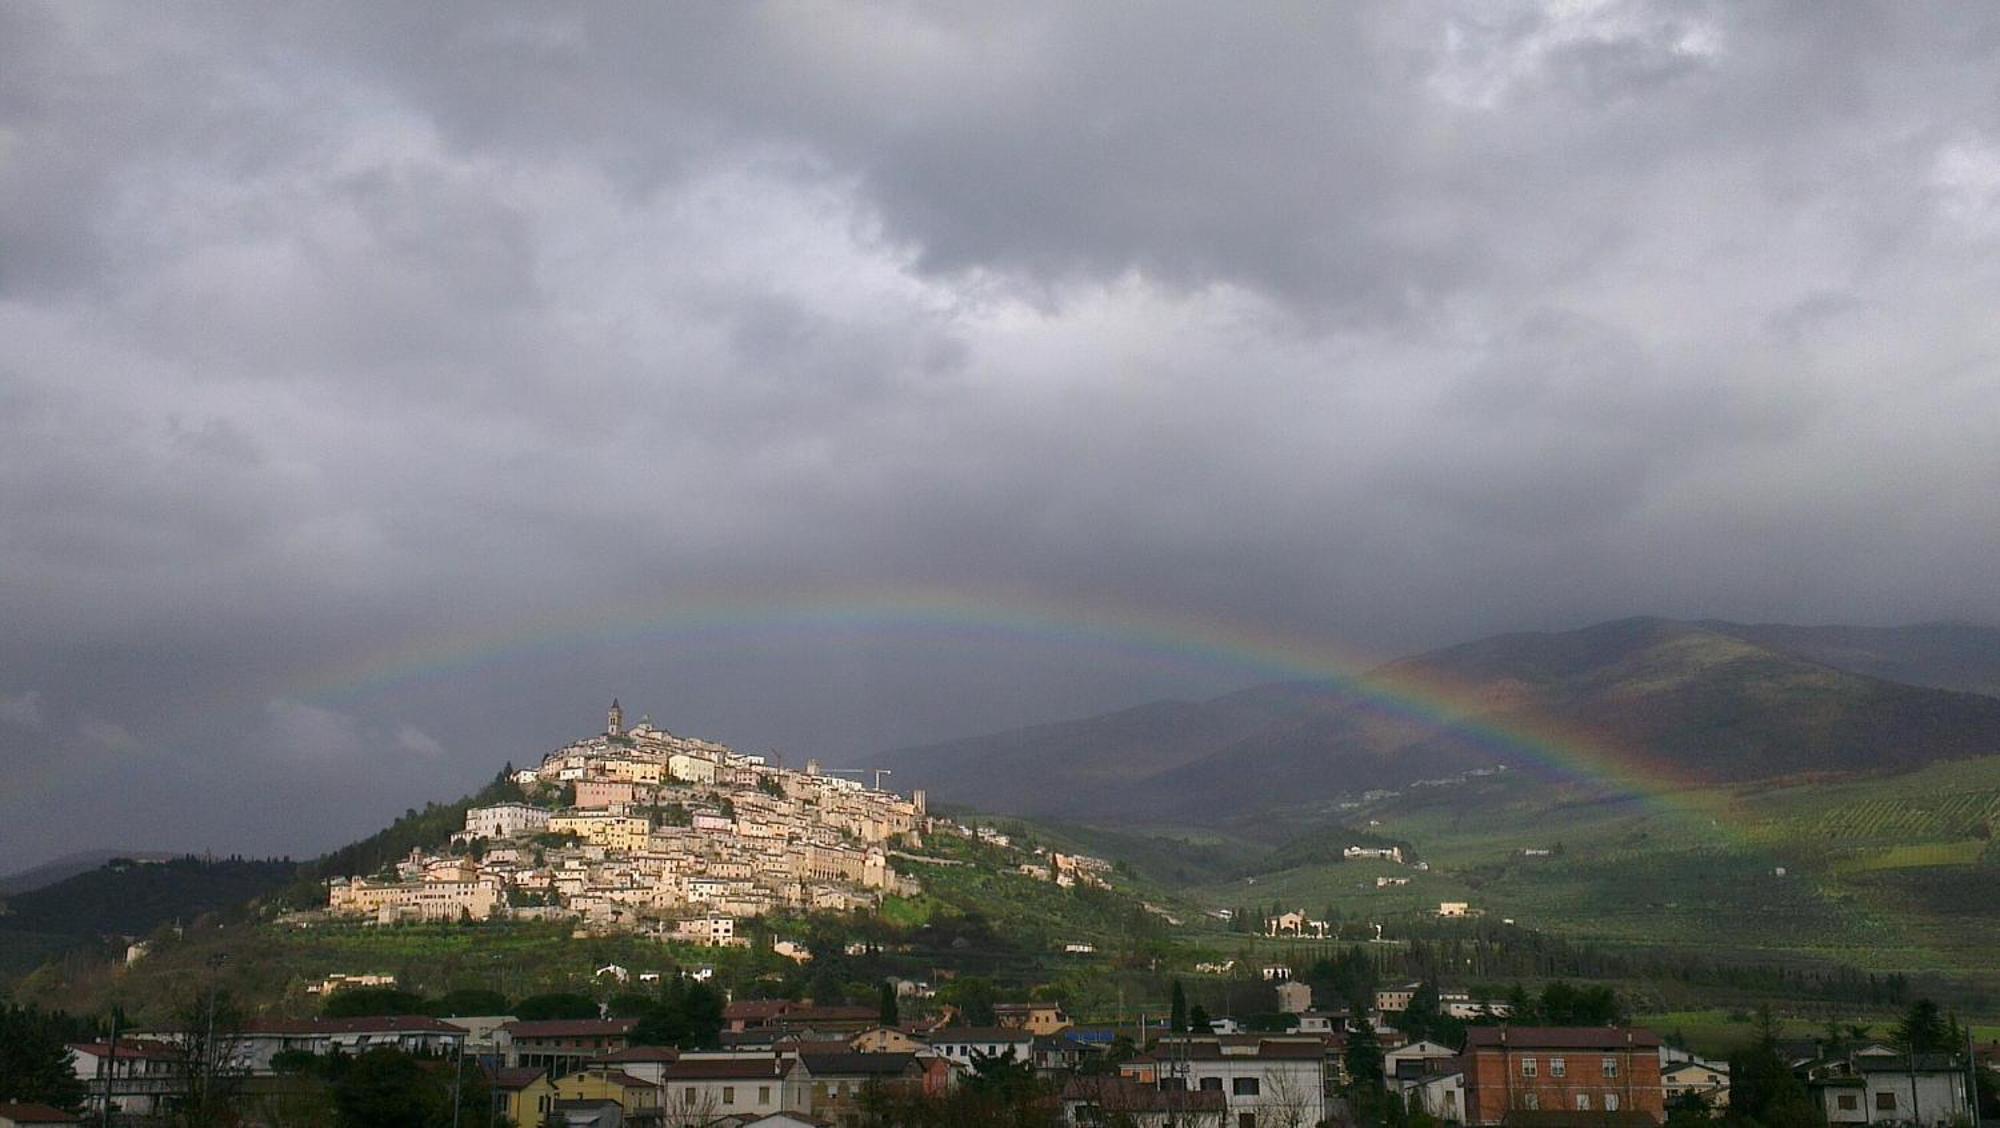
[(601, 828), (422, 900)]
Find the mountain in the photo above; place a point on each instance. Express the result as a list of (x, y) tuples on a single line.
[(1961, 656), (69, 865), (1699, 700)]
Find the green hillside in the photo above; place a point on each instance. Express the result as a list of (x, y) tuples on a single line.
[(1886, 874)]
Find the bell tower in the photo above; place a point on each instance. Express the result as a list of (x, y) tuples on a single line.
[(615, 726)]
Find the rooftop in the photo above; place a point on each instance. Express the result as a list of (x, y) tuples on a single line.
[(1560, 1038)]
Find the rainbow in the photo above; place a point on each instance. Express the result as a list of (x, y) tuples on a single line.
[(1171, 639)]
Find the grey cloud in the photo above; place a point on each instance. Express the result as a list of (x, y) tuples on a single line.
[(331, 336), (22, 710)]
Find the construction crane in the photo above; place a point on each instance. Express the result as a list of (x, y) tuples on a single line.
[(879, 773)]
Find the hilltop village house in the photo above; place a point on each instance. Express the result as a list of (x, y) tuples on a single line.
[(641, 829)]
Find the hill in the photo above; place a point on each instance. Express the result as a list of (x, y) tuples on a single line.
[(1960, 656), (126, 897), (1701, 700), (69, 865)]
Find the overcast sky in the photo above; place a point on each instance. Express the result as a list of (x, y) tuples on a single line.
[(335, 336)]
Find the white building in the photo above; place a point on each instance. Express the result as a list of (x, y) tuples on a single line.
[(1273, 1082), (505, 820), (962, 1044), (1895, 1089)]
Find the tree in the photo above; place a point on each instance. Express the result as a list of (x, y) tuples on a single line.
[(367, 1002), (1366, 1097), (34, 1061), (1198, 1020), (386, 1086), (559, 1005), (1285, 1102), (887, 1010), (467, 1001), (973, 996), (1923, 1030), (206, 1052), (1178, 1009), (1689, 1110), (1002, 1076), (1763, 1088)]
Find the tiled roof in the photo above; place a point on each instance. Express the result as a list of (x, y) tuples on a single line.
[(512, 1079), (377, 1024), (874, 1065), (1560, 1038), (133, 1049), (642, 1053), (1119, 1094), (35, 1114), (980, 1034), (722, 1069), (571, 1027)]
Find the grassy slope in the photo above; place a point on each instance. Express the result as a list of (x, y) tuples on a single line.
[(1887, 874)]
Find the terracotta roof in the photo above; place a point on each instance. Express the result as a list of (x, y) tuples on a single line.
[(376, 1024), (642, 1053), (512, 1079), (1120, 1094), (874, 1065), (35, 1114), (137, 1048), (981, 1034), (722, 1069), (1560, 1038), (570, 1027)]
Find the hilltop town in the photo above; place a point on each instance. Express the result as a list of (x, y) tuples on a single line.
[(643, 830)]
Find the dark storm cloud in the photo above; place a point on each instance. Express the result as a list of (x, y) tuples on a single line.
[(332, 332)]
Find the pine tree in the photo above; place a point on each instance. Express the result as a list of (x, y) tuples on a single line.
[(1178, 1010), (888, 1015)]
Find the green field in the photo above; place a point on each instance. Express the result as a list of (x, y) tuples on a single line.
[(1896, 874)]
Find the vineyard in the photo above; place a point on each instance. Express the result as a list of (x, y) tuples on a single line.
[(1960, 816)]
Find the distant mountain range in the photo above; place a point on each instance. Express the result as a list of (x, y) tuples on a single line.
[(1712, 700)]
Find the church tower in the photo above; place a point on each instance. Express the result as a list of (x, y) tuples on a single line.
[(616, 725)]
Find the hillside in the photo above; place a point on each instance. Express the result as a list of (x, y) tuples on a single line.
[(1958, 656), (1701, 700), (126, 897), (69, 865)]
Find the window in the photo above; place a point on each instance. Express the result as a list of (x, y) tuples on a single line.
[(1583, 1102), (763, 1094), (1246, 1120), (1243, 1086), (1528, 1067), (1611, 1102), (1558, 1067), (687, 1095), (1531, 1101), (1849, 1102), (729, 1094), (1885, 1102), (1610, 1067), (1211, 1084)]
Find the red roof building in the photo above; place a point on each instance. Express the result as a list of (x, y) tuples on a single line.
[(1551, 1075)]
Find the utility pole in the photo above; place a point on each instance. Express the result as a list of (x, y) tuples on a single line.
[(457, 1078), (209, 1065), (110, 1067)]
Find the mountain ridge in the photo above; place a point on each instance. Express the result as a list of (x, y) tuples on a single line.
[(1704, 698)]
